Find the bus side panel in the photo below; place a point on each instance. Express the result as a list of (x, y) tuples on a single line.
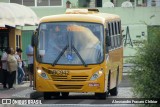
[(34, 71), (116, 61)]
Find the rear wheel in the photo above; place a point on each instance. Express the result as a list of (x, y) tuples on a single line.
[(65, 94), (47, 95), (114, 91)]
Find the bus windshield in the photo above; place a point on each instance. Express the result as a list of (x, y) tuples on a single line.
[(70, 43)]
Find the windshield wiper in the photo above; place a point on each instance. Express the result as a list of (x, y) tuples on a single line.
[(60, 55), (71, 46), (62, 52), (79, 56)]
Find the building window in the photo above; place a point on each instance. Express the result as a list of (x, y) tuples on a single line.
[(42, 2), (90, 3), (55, 2), (38, 2), (29, 2), (142, 3), (98, 3), (16, 1), (49, 2), (18, 41)]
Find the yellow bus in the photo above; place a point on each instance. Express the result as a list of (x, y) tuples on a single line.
[(79, 51)]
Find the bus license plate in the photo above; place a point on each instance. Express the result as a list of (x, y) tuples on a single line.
[(60, 72)]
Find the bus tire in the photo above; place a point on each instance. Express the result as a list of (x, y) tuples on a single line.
[(65, 94), (47, 95), (56, 94), (101, 95), (109, 76), (114, 91)]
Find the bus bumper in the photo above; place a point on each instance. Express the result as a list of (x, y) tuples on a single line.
[(71, 86)]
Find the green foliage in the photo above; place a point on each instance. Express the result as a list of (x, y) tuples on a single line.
[(145, 74)]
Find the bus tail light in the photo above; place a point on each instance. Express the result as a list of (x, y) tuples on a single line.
[(96, 75), (42, 74)]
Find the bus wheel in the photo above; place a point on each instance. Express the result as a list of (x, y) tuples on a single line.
[(56, 94), (114, 91), (47, 95), (65, 94), (101, 95)]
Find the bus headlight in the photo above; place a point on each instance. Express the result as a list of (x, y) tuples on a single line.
[(42, 74), (96, 75), (39, 71)]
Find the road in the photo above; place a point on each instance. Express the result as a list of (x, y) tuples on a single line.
[(88, 98)]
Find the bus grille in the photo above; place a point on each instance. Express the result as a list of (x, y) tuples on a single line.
[(69, 86), (67, 78)]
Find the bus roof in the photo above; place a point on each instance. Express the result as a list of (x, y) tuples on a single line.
[(81, 15)]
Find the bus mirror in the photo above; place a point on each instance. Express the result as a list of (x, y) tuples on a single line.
[(108, 41), (34, 40), (41, 52)]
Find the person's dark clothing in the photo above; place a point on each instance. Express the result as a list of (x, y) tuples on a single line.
[(4, 78), (30, 68), (11, 79)]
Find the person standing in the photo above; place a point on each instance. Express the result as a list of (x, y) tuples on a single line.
[(29, 52), (20, 69), (4, 68), (11, 67)]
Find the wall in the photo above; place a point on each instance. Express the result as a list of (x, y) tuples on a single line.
[(137, 18), (44, 11), (26, 40), (19, 33), (129, 16), (7, 1), (12, 37)]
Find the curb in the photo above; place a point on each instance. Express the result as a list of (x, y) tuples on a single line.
[(79, 105)]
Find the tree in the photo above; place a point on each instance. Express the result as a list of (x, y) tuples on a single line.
[(145, 74)]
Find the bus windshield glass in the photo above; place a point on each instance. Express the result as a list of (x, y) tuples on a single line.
[(70, 43)]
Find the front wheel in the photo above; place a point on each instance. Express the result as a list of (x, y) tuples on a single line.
[(65, 94), (56, 94), (47, 95), (101, 95)]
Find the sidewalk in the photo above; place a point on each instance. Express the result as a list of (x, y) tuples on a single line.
[(20, 91)]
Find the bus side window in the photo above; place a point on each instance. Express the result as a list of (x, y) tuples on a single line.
[(112, 35), (115, 35), (108, 37), (119, 32), (42, 40)]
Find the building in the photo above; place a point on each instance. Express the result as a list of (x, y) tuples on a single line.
[(13, 16), (138, 15)]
